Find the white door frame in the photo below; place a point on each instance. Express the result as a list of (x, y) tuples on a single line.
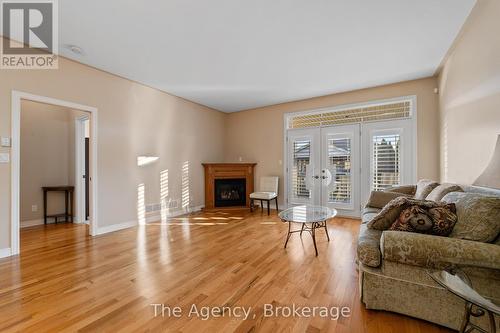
[(16, 98), (80, 168)]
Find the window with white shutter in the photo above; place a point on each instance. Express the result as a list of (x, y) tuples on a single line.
[(386, 161), (301, 160), (339, 161)]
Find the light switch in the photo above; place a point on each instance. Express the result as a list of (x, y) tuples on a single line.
[(4, 157), (5, 142)]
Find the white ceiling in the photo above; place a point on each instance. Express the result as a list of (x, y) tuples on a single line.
[(234, 55)]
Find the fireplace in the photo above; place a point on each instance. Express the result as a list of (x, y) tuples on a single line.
[(230, 192), (228, 185)]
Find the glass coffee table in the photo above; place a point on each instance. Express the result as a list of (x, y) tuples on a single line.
[(458, 283), (310, 218)]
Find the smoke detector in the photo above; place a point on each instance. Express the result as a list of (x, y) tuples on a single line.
[(75, 49)]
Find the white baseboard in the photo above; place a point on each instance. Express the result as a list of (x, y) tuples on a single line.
[(5, 252), (115, 227), (157, 217), (149, 219), (32, 223)]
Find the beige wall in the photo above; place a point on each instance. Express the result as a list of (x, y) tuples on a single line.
[(470, 96), (257, 135), (133, 120)]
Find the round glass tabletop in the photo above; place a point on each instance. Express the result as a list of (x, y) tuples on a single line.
[(307, 214)]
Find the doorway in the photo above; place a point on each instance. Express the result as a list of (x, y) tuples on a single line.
[(82, 168), (337, 166), (17, 98)]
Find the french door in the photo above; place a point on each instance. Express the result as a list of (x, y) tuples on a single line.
[(323, 167), (338, 166)]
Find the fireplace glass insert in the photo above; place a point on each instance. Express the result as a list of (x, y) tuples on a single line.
[(230, 192)]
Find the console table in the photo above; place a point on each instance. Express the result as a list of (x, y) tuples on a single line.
[(68, 202)]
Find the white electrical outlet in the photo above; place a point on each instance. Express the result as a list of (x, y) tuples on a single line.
[(34, 208), (4, 157), (5, 142)]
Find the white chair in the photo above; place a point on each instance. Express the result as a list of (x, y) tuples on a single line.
[(268, 190)]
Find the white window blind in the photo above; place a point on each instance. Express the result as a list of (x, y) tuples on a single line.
[(339, 159), (386, 161), (301, 159), (375, 112)]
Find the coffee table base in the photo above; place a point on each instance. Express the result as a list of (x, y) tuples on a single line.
[(309, 228)]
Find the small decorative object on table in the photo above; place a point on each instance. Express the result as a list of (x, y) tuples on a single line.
[(457, 282), (310, 218)]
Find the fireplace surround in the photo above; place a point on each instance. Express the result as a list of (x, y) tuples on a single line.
[(228, 185)]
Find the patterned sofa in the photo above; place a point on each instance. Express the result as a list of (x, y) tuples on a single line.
[(393, 264)]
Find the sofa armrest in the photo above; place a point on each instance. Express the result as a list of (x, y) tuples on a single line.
[(378, 199), (405, 189), (437, 252)]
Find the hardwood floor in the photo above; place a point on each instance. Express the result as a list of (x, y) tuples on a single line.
[(66, 281)]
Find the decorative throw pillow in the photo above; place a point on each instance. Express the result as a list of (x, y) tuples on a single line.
[(478, 216), (425, 219), (379, 199), (424, 187), (440, 191), (386, 217)]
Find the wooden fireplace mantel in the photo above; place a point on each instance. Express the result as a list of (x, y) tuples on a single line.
[(215, 171)]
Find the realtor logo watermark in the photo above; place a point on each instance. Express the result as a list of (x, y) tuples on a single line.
[(30, 34)]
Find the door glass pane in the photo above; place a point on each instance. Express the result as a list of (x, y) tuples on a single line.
[(386, 161), (301, 160), (339, 164)]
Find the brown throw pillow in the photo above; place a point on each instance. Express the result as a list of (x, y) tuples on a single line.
[(379, 199), (423, 218), (386, 217), (424, 187)]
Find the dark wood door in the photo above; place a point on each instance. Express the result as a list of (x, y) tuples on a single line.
[(87, 179)]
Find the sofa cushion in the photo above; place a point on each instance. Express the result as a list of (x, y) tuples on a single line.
[(367, 217), (405, 189), (368, 249), (441, 190), (429, 217), (379, 199), (424, 187), (263, 195), (478, 216)]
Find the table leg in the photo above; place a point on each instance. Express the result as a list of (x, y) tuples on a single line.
[(326, 230), (493, 326), (313, 234), (66, 213), (301, 229), (288, 235), (71, 206), (465, 320), (44, 207)]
